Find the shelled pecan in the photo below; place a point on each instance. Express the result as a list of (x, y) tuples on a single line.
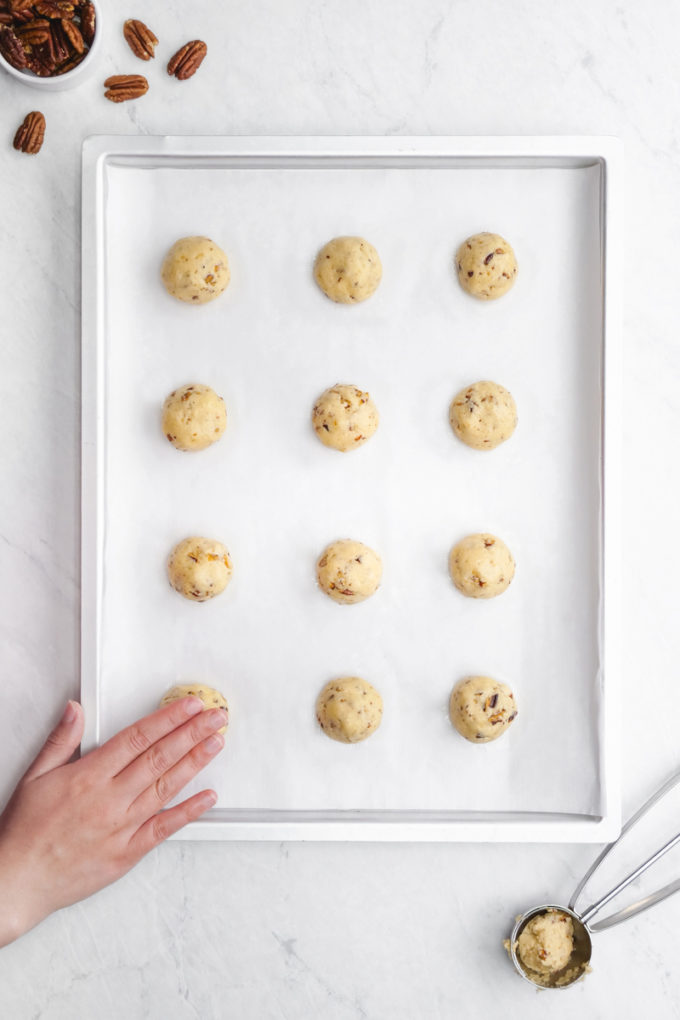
[(31, 132), (187, 60), (11, 48), (140, 39), (88, 22), (47, 37), (73, 35), (121, 87)]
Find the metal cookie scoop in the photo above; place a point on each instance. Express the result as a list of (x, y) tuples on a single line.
[(578, 962)]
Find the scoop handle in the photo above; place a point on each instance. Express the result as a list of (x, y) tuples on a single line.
[(646, 901)]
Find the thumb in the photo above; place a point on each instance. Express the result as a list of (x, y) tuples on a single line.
[(61, 743)]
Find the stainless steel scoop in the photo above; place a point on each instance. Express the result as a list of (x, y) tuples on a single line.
[(583, 928)]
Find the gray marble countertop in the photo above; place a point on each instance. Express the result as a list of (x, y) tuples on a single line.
[(343, 932)]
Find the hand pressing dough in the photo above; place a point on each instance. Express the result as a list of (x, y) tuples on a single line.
[(195, 270), (199, 568), (194, 417), (546, 942), (483, 415), (349, 709), (349, 571), (481, 566), (344, 417), (481, 708), (487, 267), (210, 697), (348, 270)]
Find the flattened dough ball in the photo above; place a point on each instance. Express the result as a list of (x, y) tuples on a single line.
[(487, 267), (481, 566), (483, 415), (348, 270), (344, 417), (195, 270), (210, 697), (349, 709), (349, 571), (546, 942), (199, 568), (481, 708), (194, 417)]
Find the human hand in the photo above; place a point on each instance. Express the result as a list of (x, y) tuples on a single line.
[(72, 827)]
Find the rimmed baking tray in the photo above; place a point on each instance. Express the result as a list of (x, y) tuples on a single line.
[(276, 496)]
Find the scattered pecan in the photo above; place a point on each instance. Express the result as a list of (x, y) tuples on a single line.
[(121, 87), (11, 48), (30, 135), (140, 39), (187, 60)]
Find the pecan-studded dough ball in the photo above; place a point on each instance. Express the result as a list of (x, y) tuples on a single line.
[(344, 417), (546, 943), (481, 566), (486, 264), (210, 697), (199, 568), (195, 270), (349, 571), (349, 709), (481, 708), (348, 270), (194, 417), (483, 415)]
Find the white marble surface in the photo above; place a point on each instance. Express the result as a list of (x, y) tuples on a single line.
[(360, 931)]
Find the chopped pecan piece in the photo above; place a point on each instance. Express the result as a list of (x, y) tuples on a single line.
[(121, 87), (30, 135), (187, 60), (140, 39)]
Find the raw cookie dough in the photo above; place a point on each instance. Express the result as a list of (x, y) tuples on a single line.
[(481, 566), (195, 270), (194, 417), (487, 267), (210, 697), (481, 708), (344, 417), (348, 270), (199, 568), (483, 415), (546, 942), (348, 571), (349, 709)]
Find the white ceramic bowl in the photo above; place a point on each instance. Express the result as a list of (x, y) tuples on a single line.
[(59, 82)]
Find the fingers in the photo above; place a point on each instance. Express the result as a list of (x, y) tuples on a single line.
[(152, 769), (165, 823), (61, 743), (117, 753), (168, 785)]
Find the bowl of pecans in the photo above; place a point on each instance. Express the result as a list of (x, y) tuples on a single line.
[(49, 44)]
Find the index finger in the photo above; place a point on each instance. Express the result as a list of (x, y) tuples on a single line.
[(122, 749)]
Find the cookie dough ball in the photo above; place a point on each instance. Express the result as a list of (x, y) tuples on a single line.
[(481, 566), (199, 568), (546, 942), (481, 709), (487, 267), (194, 417), (195, 270), (483, 415), (210, 697), (349, 709), (349, 571), (348, 270), (344, 417)]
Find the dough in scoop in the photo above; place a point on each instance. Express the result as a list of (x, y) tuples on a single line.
[(481, 566), (483, 415), (546, 942), (481, 708), (349, 709), (487, 267), (194, 417), (210, 697), (344, 417), (348, 270), (195, 270), (349, 571), (199, 568)]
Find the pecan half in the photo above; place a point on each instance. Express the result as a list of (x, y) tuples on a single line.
[(88, 22), (30, 134), (11, 48), (34, 33), (140, 39), (121, 87), (187, 61), (19, 5), (73, 36)]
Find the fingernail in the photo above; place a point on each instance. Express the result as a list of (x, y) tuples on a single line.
[(214, 743), (218, 717), (208, 799), (70, 712), (194, 705)]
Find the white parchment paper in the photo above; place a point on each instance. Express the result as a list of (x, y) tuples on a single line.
[(275, 496)]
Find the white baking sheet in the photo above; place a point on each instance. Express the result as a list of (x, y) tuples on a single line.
[(270, 345)]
